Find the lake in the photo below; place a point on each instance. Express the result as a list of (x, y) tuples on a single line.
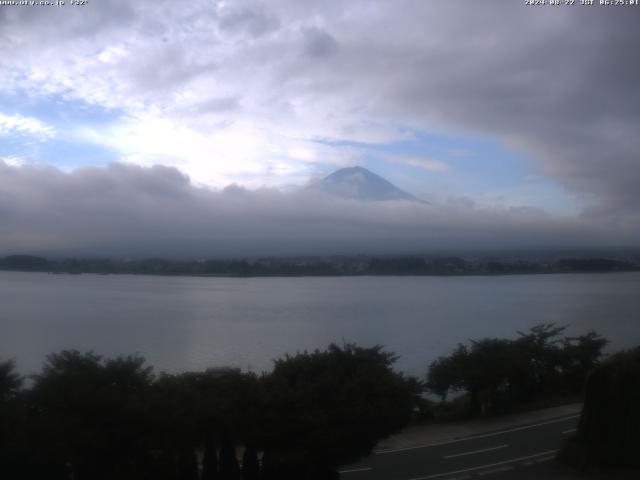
[(183, 323)]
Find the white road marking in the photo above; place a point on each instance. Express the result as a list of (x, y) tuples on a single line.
[(476, 451), (513, 460), (494, 470), (545, 459), (354, 470), (466, 439), (571, 430)]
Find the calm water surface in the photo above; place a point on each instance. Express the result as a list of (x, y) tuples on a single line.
[(181, 323)]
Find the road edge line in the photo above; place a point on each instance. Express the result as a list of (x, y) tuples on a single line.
[(504, 462), (473, 437)]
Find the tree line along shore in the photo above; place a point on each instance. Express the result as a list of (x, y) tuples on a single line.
[(325, 266)]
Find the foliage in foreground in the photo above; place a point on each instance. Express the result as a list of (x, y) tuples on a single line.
[(89, 417), (94, 418), (498, 374), (609, 429)]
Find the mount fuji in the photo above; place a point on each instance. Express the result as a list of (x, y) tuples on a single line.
[(358, 183)]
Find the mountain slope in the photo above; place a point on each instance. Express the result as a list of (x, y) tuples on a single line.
[(358, 183)]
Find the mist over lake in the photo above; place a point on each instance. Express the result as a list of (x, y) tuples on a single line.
[(188, 323)]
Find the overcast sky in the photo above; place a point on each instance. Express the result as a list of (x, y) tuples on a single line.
[(123, 123)]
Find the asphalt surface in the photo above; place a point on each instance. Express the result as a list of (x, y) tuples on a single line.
[(485, 455)]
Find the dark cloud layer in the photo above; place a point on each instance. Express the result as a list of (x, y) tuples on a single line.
[(127, 210)]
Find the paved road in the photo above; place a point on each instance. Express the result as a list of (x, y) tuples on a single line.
[(476, 456)]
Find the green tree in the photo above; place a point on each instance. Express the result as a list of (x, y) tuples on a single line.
[(174, 414), (187, 464), (210, 460), (486, 371), (499, 373), (201, 409), (92, 412), (609, 428), (250, 464), (328, 408), (581, 355), (10, 381), (445, 373), (542, 346), (13, 440), (229, 468)]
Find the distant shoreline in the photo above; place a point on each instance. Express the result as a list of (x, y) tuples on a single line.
[(328, 275), (341, 266)]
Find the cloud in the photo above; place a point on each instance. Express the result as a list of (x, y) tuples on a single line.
[(252, 21), (13, 161), (214, 105), (238, 152), (555, 84), (130, 210), (21, 125), (429, 164), (319, 44)]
